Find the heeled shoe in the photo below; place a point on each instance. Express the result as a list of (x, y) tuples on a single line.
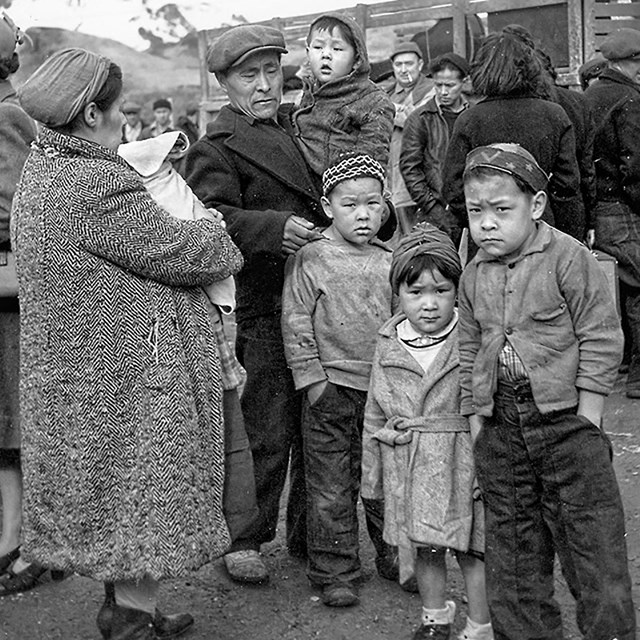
[(121, 623), (8, 559), (111, 616), (29, 578)]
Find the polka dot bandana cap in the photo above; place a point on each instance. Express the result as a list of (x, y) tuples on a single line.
[(349, 167), (510, 158)]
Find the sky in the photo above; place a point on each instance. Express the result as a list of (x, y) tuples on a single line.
[(120, 19)]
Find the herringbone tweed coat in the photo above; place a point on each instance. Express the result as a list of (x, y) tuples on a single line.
[(120, 378)]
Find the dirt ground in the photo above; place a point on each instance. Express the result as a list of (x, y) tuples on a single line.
[(287, 608)]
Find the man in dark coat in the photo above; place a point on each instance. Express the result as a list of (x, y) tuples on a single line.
[(615, 101), (249, 168)]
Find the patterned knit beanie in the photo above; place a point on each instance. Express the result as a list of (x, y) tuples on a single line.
[(349, 167)]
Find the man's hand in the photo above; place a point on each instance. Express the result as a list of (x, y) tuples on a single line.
[(297, 232), (315, 390)]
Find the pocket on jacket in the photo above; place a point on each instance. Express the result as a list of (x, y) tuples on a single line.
[(556, 329)]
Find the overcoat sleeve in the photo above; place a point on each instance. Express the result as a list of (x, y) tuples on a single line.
[(123, 224)]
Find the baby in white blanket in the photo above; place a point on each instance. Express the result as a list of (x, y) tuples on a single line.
[(151, 159)]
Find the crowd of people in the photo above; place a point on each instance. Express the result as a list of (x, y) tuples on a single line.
[(421, 327)]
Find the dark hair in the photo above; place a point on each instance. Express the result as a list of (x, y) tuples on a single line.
[(9, 65), (329, 23), (442, 65), (477, 173), (505, 66), (104, 100), (411, 271)]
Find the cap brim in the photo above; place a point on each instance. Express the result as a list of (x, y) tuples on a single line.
[(248, 54)]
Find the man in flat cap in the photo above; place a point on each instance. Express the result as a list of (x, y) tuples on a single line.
[(410, 90), (615, 99), (133, 127), (426, 138), (162, 119), (248, 166)]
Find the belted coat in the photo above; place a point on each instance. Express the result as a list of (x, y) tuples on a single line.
[(417, 451)]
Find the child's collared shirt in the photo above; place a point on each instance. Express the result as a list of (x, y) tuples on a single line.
[(556, 310)]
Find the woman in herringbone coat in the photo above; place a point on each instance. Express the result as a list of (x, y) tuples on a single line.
[(120, 375)]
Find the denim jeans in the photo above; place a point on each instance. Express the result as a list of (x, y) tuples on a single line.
[(332, 436), (272, 414), (618, 233), (549, 487)]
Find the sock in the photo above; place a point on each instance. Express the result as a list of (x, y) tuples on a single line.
[(477, 631), (141, 595), (439, 616)]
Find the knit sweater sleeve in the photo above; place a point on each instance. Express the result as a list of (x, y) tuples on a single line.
[(124, 225), (299, 298), (374, 420)]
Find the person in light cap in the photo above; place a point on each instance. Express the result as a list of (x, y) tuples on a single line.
[(540, 345), (615, 101), (134, 126), (17, 132), (121, 392), (248, 166), (410, 90)]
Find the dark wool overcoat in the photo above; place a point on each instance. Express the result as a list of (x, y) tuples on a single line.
[(120, 376)]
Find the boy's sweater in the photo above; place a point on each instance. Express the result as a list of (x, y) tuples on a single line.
[(335, 299), (554, 306), (345, 115)]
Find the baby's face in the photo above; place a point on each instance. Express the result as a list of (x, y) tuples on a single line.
[(330, 55)]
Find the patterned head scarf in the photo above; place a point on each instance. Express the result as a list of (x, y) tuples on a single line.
[(349, 167), (424, 239), (62, 85), (509, 158)]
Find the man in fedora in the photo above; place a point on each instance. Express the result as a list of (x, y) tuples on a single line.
[(615, 100), (248, 166)]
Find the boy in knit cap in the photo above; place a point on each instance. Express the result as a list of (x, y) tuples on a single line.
[(540, 345), (336, 296), (341, 109)]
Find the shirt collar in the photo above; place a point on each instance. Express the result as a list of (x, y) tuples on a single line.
[(539, 243)]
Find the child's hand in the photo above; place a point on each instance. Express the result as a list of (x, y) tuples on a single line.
[(315, 391), (475, 426)]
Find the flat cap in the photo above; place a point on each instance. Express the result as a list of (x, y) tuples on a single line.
[(452, 59), (162, 103), (406, 47), (130, 107), (238, 43), (621, 44)]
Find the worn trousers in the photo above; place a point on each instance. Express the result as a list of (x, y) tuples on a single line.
[(272, 413), (549, 488), (332, 437)]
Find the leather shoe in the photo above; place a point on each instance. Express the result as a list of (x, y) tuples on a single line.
[(122, 623), (29, 578), (8, 559), (171, 626), (246, 566), (339, 594)]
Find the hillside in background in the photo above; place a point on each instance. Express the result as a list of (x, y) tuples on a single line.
[(173, 74)]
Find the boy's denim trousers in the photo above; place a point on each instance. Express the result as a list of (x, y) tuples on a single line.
[(549, 487), (332, 441)]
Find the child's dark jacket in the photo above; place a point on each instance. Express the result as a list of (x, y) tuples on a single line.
[(349, 114), (554, 305), (417, 452)]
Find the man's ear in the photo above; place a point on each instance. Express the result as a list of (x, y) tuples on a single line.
[(326, 207), (538, 204)]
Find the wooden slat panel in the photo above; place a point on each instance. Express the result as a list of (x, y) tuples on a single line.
[(488, 6), (607, 10), (604, 27)]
